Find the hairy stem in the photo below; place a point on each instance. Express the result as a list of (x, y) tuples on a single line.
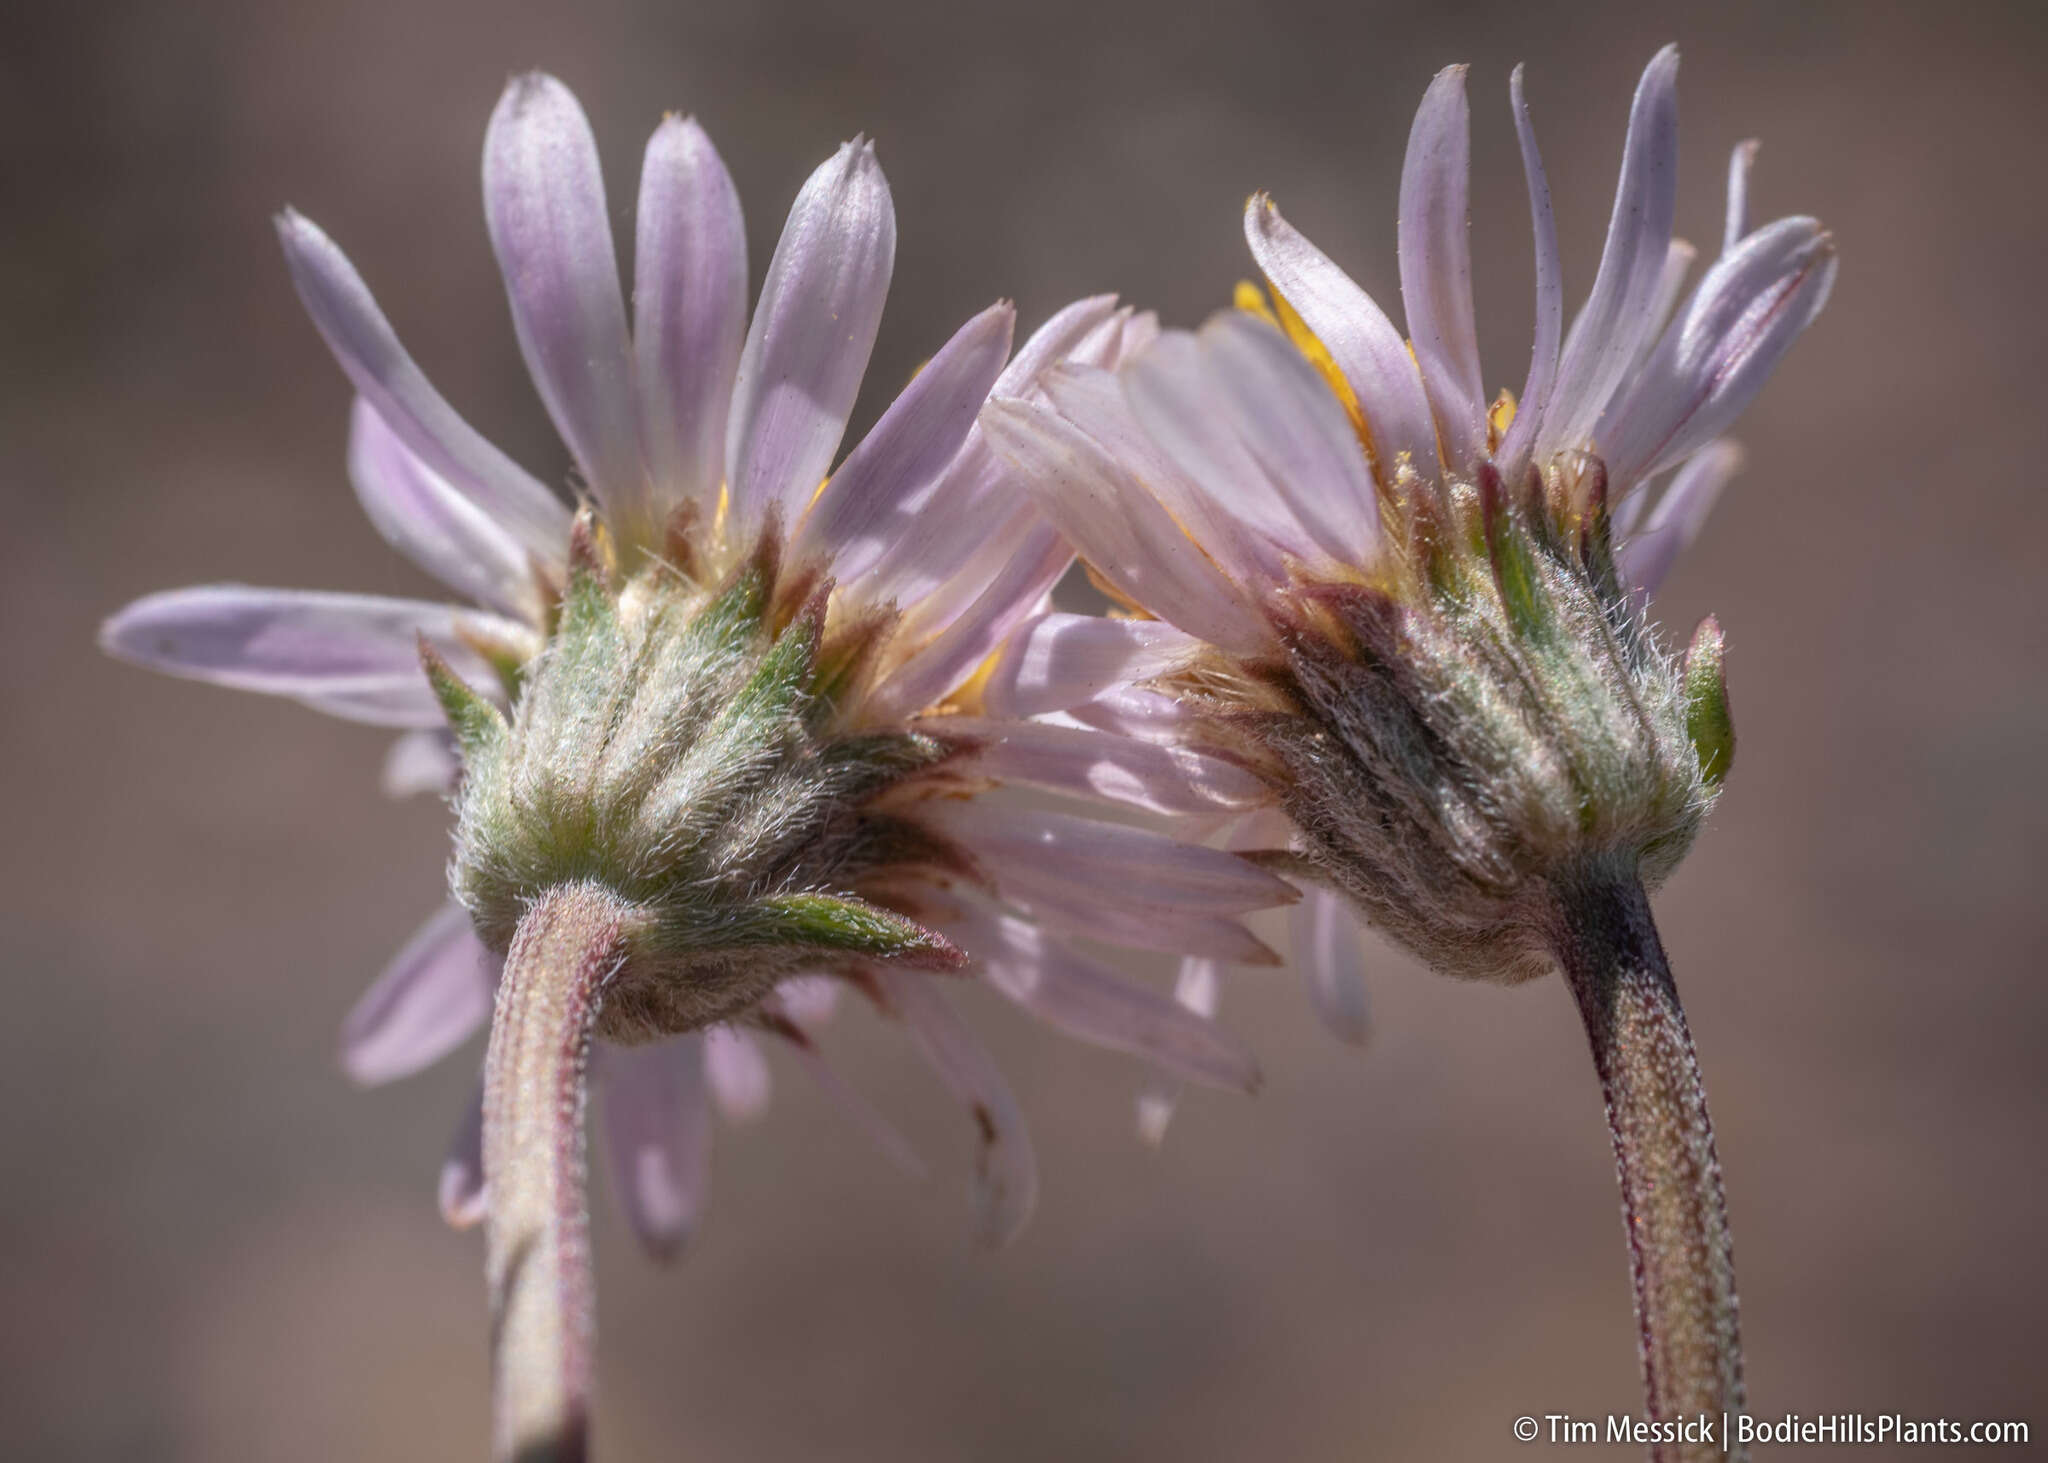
[(1671, 1195), (537, 1234)]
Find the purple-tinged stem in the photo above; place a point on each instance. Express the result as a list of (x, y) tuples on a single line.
[(1671, 1195), (537, 1233)]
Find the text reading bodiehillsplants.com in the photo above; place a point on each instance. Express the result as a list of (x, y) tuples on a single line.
[(1728, 1431)]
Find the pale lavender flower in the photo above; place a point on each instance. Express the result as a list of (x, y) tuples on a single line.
[(1216, 473), (1426, 621), (702, 435)]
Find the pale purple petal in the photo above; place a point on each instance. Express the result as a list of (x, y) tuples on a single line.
[(1059, 338), (1269, 828), (1713, 360), (544, 202), (941, 563), (430, 999), (1103, 404), (1132, 711), (1135, 331), (808, 346), (460, 1190), (1075, 995), (1006, 1173), (1042, 849), (367, 348), (879, 1130), (884, 486), (1120, 528), (1058, 660), (1298, 433), (1331, 954), (1740, 162), (657, 1131), (1605, 336), (1097, 764), (1095, 912), (426, 518), (1436, 265), (1534, 404), (390, 703), (689, 311), (965, 579), (1033, 559), (1678, 262), (1196, 987), (420, 761), (355, 655), (1363, 343), (1646, 557), (737, 1069), (808, 1000), (1176, 400)]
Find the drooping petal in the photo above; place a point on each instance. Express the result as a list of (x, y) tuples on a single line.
[(1005, 1186), (369, 352), (1534, 405), (657, 1131), (460, 1190), (1040, 848), (812, 331), (354, 655), (1298, 433), (884, 484), (738, 1072), (1196, 987), (385, 703), (1120, 528), (1097, 764), (689, 312), (1058, 660), (1097, 913), (1436, 265), (1332, 958), (808, 1000), (544, 202), (1362, 342), (1605, 336), (426, 518), (1740, 162), (880, 1131), (1646, 557), (420, 761), (1074, 994), (1730, 336), (430, 999)]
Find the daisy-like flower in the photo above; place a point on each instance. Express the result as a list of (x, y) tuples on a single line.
[(1426, 616), (722, 740)]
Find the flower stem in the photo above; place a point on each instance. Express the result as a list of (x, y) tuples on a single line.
[(537, 1234), (1671, 1195)]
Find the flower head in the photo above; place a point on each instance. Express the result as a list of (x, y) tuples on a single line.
[(1425, 610), (748, 695)]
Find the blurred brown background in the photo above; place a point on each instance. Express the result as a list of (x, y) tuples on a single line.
[(212, 1248)]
